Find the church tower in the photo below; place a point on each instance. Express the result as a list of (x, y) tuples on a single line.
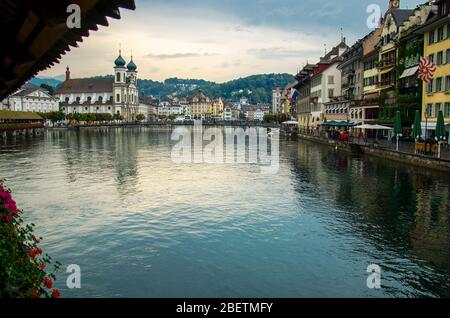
[(132, 99), (119, 86)]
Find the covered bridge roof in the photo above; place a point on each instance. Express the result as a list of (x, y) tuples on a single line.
[(13, 115), (35, 34)]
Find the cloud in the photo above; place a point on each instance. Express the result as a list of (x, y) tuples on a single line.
[(278, 52), (177, 55)]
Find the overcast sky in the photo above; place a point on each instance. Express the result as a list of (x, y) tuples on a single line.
[(220, 40)]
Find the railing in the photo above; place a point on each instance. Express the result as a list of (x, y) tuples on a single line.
[(386, 63), (386, 83)]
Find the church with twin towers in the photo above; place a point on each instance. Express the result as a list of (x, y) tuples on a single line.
[(117, 95)]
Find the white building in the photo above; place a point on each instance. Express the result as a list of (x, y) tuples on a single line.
[(227, 114), (148, 107), (277, 106), (326, 82), (167, 109), (116, 95), (31, 98), (259, 114)]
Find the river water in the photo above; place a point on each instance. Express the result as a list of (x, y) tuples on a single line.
[(140, 225)]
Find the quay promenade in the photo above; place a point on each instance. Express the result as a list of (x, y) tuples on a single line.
[(387, 150)]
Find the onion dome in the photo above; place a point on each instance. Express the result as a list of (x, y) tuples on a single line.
[(131, 66), (120, 62)]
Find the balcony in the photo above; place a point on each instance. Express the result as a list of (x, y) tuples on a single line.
[(386, 84), (385, 63)]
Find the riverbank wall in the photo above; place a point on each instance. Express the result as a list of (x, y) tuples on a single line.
[(386, 154)]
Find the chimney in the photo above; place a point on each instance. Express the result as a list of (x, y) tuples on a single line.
[(67, 73)]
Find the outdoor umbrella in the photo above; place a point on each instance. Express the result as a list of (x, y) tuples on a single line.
[(417, 129), (398, 129), (440, 131)]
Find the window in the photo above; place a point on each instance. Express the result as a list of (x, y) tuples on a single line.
[(431, 58), (429, 110), (447, 58), (437, 108), (430, 87), (431, 37), (78, 99), (448, 31), (331, 93), (440, 33), (100, 99), (447, 110), (118, 77), (89, 99), (331, 79), (118, 98), (439, 84), (440, 58), (67, 99)]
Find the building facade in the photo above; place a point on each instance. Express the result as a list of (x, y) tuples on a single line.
[(31, 98), (276, 101), (200, 106), (436, 95), (117, 95)]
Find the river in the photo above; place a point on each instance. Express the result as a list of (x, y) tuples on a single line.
[(140, 225)]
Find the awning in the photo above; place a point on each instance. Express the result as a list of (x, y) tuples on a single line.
[(290, 123), (409, 72), (373, 127), (334, 123)]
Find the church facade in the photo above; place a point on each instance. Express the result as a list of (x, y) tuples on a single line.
[(117, 95)]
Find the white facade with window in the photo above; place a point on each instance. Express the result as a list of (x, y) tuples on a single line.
[(31, 98)]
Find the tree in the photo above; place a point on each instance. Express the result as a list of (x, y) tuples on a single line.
[(48, 88), (140, 117)]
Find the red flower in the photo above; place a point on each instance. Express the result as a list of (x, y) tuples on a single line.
[(39, 251), (56, 293), (48, 282), (43, 266), (35, 293), (32, 253), (9, 218)]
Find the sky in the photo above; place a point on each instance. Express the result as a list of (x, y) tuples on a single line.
[(220, 40)]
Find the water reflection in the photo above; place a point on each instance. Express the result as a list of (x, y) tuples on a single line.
[(113, 201)]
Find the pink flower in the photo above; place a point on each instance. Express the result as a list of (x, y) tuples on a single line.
[(11, 206), (9, 218)]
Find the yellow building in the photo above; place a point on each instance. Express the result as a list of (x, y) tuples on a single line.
[(201, 106), (217, 108), (436, 95)]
